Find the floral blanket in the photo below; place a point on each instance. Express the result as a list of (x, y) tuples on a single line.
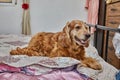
[(21, 67)]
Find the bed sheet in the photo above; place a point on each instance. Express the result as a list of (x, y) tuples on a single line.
[(43, 67)]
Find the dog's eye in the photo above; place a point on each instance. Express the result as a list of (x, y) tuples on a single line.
[(77, 27), (87, 28)]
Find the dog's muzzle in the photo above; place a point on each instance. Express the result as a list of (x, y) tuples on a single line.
[(83, 41)]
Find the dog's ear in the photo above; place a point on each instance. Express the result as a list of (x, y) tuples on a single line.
[(66, 29)]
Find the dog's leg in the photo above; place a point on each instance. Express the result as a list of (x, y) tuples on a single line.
[(92, 63), (24, 51)]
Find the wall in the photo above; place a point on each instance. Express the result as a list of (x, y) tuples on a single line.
[(10, 18), (46, 15)]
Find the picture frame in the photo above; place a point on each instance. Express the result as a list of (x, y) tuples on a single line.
[(8, 2)]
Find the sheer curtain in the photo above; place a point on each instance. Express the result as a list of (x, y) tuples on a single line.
[(26, 28), (93, 7)]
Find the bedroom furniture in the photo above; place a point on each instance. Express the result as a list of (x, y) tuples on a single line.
[(111, 1), (113, 21)]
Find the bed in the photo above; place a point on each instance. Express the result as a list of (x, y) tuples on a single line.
[(22, 67)]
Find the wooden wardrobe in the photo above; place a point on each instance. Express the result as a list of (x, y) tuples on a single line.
[(112, 20)]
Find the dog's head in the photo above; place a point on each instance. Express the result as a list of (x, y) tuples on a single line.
[(78, 32)]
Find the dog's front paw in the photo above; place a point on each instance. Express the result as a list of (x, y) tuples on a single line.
[(14, 52), (92, 63), (95, 66)]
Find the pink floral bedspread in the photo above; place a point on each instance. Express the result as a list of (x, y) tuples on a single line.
[(26, 73)]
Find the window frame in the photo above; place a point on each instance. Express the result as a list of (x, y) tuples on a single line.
[(7, 2)]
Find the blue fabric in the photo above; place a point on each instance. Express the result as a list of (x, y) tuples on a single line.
[(118, 76)]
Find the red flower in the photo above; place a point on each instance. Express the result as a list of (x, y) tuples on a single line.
[(25, 6)]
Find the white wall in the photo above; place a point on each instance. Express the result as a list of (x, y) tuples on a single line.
[(10, 18), (46, 15)]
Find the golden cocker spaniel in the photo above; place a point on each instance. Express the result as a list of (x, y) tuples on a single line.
[(68, 43)]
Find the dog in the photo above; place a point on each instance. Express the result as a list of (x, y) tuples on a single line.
[(70, 42)]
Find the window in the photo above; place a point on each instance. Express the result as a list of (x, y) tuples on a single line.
[(7, 2)]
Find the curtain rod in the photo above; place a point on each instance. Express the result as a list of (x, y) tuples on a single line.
[(105, 28)]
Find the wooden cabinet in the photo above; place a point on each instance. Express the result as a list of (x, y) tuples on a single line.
[(112, 20), (111, 1), (115, 0)]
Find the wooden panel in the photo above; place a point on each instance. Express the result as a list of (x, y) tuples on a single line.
[(112, 59), (113, 9), (110, 45), (113, 22), (111, 34), (115, 0)]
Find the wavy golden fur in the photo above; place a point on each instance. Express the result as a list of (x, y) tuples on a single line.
[(70, 42)]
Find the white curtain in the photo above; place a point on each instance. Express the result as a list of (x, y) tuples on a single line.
[(26, 28)]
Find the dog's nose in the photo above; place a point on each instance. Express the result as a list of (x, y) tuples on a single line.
[(87, 35)]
